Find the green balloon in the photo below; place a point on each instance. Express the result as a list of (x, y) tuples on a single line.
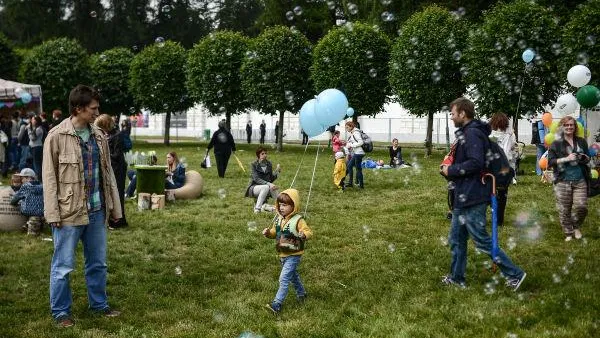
[(588, 96)]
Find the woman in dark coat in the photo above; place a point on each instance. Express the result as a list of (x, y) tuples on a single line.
[(222, 141), (117, 161)]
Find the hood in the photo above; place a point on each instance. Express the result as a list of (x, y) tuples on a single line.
[(477, 124), (295, 196)]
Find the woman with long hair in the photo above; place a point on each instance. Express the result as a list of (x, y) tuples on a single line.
[(568, 158), (354, 145), (36, 136), (175, 175)]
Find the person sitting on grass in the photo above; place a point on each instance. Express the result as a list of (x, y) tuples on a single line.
[(261, 181), (30, 198), (290, 231)]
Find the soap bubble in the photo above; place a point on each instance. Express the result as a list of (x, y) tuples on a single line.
[(289, 15), (352, 8), (160, 41), (178, 271), (222, 193), (93, 14), (556, 278), (391, 248), (372, 72), (251, 226), (298, 10), (436, 76)]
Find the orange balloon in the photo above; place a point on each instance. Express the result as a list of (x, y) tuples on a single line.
[(543, 163), (547, 119)]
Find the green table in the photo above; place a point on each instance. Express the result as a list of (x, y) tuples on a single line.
[(150, 179)]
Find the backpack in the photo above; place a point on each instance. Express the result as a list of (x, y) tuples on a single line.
[(367, 142), (127, 144), (496, 163)]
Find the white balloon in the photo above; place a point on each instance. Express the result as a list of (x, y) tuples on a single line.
[(565, 104), (19, 91), (579, 76)]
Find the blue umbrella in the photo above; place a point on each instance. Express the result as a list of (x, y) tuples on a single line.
[(494, 252)]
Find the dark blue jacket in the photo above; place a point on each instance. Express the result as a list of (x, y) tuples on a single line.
[(31, 199), (469, 163)]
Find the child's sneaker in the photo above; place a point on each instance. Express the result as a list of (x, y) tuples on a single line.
[(267, 208), (275, 308), (448, 281), (515, 283)]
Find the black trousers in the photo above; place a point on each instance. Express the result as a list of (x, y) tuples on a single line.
[(120, 171), (222, 160), (501, 197), (249, 136), (262, 138)]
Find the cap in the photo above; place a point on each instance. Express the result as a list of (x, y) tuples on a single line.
[(339, 154), (27, 172)]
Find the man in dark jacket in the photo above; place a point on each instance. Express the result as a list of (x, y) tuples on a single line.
[(223, 142), (471, 197), (263, 131), (249, 131)]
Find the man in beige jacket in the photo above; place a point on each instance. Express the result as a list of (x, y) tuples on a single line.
[(80, 193)]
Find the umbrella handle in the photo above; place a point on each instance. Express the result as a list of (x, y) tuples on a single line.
[(493, 181)]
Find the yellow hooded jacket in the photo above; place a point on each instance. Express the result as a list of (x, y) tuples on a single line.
[(339, 171), (284, 222)]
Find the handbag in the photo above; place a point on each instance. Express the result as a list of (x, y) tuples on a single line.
[(3, 137), (449, 158), (206, 161)]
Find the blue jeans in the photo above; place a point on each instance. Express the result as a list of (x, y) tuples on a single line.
[(93, 236), (355, 161), (14, 153), (540, 151), (24, 157), (132, 183), (289, 274), (471, 221)]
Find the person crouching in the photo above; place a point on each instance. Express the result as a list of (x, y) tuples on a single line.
[(30, 198)]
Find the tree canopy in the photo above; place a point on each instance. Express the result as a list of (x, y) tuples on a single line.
[(354, 59), (9, 63), (58, 66), (275, 72), (110, 76), (580, 45)]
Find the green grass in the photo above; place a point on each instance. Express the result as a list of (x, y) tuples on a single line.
[(372, 269)]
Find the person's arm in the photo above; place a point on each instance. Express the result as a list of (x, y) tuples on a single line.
[(179, 175), (212, 141), (474, 156), (19, 195), (49, 177), (358, 141), (303, 230), (231, 142), (554, 155), (22, 132), (270, 232), (39, 133)]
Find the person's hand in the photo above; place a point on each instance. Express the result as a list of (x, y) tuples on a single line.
[(302, 235), (572, 157), (278, 168), (265, 232), (56, 225), (273, 187), (444, 170)]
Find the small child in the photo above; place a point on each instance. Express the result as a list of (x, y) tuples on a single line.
[(290, 231), (30, 197), (339, 171)]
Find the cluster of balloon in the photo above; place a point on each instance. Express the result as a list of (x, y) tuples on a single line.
[(579, 76), (326, 109), (23, 95)]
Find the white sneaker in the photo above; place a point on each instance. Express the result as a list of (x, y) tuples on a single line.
[(577, 234), (256, 211), (267, 208), (568, 238), (514, 181)]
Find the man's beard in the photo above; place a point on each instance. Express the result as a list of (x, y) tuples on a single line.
[(458, 124)]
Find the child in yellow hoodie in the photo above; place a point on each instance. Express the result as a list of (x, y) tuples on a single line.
[(290, 231), (339, 171)]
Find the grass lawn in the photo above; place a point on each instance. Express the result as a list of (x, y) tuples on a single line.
[(372, 269)]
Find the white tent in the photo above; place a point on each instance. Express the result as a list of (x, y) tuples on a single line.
[(7, 92)]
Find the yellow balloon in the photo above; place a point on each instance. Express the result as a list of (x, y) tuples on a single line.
[(580, 130), (554, 127), (594, 173), (548, 139)]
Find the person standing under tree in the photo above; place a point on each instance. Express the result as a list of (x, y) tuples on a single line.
[(249, 131), (224, 145), (472, 197), (276, 132), (263, 131), (80, 193)]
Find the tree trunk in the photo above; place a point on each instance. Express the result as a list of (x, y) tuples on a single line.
[(167, 127), (280, 131), (228, 121), (516, 128), (429, 137)]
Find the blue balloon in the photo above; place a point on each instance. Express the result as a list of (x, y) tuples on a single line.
[(581, 120), (592, 152), (331, 107), (26, 97), (308, 119), (528, 55), (350, 111)]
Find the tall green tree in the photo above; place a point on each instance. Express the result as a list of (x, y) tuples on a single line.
[(9, 63), (156, 80), (129, 25), (354, 59), (239, 16), (503, 81), (312, 18), (275, 73), (87, 23), (213, 73), (581, 37), (28, 23), (425, 63), (110, 76), (179, 20), (57, 65)]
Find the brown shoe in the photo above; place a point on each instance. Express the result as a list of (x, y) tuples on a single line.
[(110, 313), (64, 322)]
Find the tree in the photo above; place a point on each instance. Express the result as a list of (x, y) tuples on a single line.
[(156, 80), (425, 63), (128, 24), (275, 73), (239, 16), (28, 23), (110, 74), (502, 81), (9, 63), (180, 21), (58, 66), (312, 18), (213, 73), (579, 39), (354, 59)]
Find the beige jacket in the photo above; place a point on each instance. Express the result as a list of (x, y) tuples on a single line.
[(65, 199)]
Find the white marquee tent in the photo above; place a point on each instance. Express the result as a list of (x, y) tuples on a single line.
[(8, 97)]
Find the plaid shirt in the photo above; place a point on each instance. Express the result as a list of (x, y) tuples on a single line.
[(91, 170)]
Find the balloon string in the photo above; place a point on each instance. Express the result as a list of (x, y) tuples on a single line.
[(312, 178), (300, 165), (521, 91)]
